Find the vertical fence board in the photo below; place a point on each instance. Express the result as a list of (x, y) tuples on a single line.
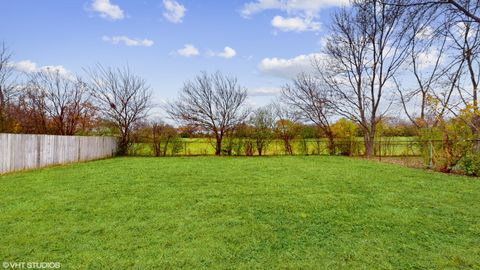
[(21, 151)]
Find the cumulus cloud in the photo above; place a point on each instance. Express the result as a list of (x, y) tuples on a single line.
[(295, 24), (25, 66), (174, 11), (227, 53), (107, 10), (288, 68), (128, 41), (188, 50), (309, 8), (301, 14), (28, 66), (264, 91)]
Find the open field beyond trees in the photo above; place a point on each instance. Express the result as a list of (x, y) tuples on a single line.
[(387, 146), (275, 212)]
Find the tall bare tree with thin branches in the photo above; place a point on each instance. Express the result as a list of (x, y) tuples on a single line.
[(426, 64), (122, 98), (311, 99), (466, 8), (7, 84), (365, 48), (65, 99), (214, 103)]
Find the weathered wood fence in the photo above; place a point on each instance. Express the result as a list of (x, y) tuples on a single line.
[(21, 151)]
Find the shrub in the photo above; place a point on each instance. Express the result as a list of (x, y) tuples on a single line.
[(470, 164)]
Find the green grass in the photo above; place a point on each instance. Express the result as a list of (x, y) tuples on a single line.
[(272, 212)]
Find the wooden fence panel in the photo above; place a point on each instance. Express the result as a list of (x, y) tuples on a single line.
[(21, 151)]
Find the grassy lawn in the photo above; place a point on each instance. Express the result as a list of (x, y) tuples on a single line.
[(208, 212)]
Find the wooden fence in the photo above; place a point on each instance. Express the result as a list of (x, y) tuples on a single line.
[(22, 152)]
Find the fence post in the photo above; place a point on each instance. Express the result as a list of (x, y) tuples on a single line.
[(380, 150), (430, 163)]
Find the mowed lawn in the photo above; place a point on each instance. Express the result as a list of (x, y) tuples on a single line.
[(270, 212)]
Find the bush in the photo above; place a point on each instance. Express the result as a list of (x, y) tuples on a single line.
[(346, 133), (470, 164)]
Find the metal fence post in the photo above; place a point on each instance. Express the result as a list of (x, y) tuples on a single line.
[(430, 164)]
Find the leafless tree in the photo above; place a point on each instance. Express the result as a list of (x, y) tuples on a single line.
[(65, 99), (7, 85), (286, 126), (262, 121), (122, 98), (311, 99), (426, 64), (466, 8), (214, 103), (30, 111), (365, 48), (462, 75), (163, 135)]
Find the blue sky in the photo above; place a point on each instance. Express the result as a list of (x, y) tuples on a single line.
[(262, 42)]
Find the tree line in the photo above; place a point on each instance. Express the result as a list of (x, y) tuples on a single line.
[(414, 58)]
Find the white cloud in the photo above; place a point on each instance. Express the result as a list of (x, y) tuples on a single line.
[(25, 66), (295, 24), (128, 41), (28, 66), (227, 53), (188, 50), (174, 12), (288, 68), (107, 10), (308, 8), (265, 91)]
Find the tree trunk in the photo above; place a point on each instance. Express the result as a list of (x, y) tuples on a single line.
[(218, 147), (369, 145), (123, 146), (165, 147), (369, 139), (476, 132), (288, 147), (331, 144)]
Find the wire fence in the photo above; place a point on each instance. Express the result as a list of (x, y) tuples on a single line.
[(384, 147), (446, 155)]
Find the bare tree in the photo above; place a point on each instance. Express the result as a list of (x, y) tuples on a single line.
[(286, 126), (122, 98), (311, 99), (65, 99), (462, 74), (467, 8), (7, 85), (163, 136), (426, 64), (214, 103), (365, 48), (30, 112), (263, 122)]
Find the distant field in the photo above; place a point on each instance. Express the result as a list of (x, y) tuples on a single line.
[(299, 212), (388, 146)]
